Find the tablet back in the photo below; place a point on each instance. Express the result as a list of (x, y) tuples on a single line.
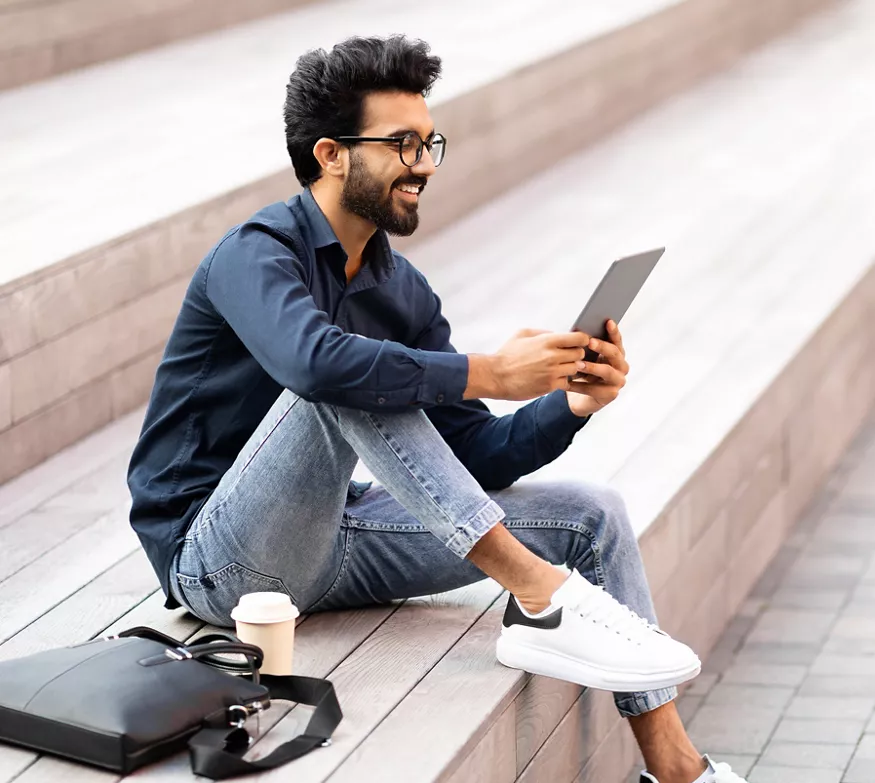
[(615, 292)]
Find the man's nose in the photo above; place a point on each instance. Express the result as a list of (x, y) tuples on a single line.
[(425, 167)]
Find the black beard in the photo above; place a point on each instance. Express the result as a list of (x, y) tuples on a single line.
[(363, 195)]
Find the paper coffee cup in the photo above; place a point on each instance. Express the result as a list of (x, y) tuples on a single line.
[(268, 621)]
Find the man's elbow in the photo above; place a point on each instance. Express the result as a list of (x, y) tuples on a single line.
[(489, 479), (303, 383)]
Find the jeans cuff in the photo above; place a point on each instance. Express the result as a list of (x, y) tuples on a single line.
[(630, 704), (462, 541)]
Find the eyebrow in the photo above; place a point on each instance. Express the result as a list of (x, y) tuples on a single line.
[(404, 131)]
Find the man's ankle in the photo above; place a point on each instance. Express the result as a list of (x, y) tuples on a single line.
[(687, 771), (537, 598)]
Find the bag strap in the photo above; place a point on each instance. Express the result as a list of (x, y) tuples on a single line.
[(217, 751)]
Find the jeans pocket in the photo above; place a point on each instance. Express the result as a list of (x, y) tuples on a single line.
[(212, 597)]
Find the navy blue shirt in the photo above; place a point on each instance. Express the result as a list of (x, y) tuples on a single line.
[(270, 308)]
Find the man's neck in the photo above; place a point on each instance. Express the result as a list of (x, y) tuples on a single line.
[(352, 231)]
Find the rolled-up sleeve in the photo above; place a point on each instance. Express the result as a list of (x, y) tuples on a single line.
[(498, 450), (256, 284)]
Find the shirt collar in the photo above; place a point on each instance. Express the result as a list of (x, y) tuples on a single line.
[(378, 253)]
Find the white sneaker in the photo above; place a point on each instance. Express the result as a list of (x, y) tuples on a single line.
[(588, 637), (716, 773)]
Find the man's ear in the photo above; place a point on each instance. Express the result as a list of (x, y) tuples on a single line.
[(331, 157)]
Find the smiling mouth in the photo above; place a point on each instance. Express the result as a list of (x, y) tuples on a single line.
[(409, 192)]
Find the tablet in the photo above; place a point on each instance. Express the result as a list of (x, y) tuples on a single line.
[(614, 294)]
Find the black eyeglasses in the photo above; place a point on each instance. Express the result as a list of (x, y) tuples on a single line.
[(409, 146)]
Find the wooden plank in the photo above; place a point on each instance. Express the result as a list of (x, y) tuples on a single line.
[(63, 470), (47, 581), (613, 760), (50, 524), (13, 761), (51, 770), (37, 533), (493, 760), (575, 740), (445, 715), (87, 612), (388, 664)]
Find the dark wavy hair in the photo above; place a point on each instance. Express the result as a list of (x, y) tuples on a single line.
[(326, 91)]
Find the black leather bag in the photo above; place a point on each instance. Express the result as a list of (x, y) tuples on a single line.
[(126, 701)]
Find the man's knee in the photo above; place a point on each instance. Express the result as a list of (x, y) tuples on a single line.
[(607, 507)]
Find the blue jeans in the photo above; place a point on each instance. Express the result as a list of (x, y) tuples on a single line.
[(280, 520)]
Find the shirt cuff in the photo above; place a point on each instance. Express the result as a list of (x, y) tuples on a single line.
[(555, 420), (445, 378)]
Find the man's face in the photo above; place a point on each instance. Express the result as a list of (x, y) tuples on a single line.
[(372, 188)]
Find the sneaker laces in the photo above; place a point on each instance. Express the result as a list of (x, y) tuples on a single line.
[(601, 607)]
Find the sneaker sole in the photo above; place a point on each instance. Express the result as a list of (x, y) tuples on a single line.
[(551, 664)]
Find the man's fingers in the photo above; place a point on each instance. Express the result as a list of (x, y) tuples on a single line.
[(612, 354), (615, 336), (610, 375), (569, 340), (568, 368), (610, 351)]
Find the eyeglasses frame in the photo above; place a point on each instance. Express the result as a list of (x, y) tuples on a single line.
[(399, 140)]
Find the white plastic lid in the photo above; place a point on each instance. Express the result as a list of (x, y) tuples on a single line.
[(264, 608)]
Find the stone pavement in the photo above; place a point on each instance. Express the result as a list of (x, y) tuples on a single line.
[(788, 693)]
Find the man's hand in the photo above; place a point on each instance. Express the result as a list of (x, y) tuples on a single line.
[(604, 378), (532, 363)]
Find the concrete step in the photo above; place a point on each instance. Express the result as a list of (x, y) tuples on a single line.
[(43, 38), (140, 165)]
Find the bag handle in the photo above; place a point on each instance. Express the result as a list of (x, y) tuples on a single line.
[(217, 752), (207, 649)]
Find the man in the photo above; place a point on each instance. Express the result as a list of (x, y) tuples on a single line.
[(305, 343)]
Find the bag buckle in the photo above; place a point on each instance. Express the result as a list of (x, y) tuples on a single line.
[(246, 711)]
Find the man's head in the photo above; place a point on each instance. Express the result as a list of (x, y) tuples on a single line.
[(373, 88)]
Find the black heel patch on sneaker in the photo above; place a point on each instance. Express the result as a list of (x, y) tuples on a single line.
[(513, 616)]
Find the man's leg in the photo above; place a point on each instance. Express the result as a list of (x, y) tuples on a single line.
[(277, 522), (274, 521), (389, 554)]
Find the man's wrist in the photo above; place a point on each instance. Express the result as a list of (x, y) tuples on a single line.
[(485, 376), (582, 408)]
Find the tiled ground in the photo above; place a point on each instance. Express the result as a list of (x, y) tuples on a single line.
[(788, 694)]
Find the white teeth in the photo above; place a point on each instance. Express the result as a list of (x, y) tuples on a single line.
[(409, 188)]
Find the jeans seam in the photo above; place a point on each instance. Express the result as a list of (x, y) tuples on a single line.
[(344, 566), (219, 504), (266, 438)]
